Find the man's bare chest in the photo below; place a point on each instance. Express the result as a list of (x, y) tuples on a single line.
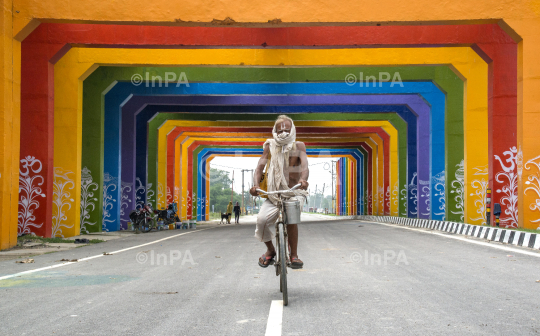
[(294, 158)]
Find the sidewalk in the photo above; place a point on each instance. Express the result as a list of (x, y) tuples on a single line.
[(34, 248), (105, 236), (316, 216)]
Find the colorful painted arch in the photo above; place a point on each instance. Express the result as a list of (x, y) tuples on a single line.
[(81, 114), (203, 198)]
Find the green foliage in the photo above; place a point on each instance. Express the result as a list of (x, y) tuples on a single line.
[(220, 191), (327, 202), (317, 201)]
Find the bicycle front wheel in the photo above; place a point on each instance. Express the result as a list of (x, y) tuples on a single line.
[(283, 263), (146, 224)]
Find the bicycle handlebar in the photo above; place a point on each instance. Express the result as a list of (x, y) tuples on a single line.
[(279, 191)]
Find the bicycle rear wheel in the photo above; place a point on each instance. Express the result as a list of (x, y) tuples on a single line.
[(282, 245)]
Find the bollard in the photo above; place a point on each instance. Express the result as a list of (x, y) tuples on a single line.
[(488, 207), (497, 213)]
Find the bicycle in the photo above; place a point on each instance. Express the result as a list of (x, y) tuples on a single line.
[(143, 219), (168, 216), (281, 242)]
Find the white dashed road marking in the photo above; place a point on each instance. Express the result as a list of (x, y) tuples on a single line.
[(273, 327)]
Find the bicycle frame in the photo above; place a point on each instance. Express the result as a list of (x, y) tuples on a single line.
[(278, 222), (282, 246)]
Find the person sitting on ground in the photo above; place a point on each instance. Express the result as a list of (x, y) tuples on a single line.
[(229, 212), (237, 213)]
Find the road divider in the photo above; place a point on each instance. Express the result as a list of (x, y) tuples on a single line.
[(477, 242), (496, 234)]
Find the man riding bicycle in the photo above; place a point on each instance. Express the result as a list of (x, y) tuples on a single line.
[(288, 166)]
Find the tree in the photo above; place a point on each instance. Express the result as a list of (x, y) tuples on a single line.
[(327, 203), (220, 190)]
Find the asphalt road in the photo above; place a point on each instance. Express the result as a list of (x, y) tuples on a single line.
[(208, 283)]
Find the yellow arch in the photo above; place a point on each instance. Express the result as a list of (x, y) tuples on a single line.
[(162, 173), (370, 142), (183, 172), (188, 141), (78, 63)]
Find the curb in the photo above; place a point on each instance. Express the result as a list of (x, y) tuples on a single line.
[(505, 236)]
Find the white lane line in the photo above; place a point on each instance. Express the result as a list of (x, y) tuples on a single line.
[(96, 256), (504, 248), (273, 327)]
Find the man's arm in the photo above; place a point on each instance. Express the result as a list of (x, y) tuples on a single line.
[(259, 170), (304, 173)]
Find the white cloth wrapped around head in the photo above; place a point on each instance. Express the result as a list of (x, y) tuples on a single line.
[(280, 147), (284, 139)]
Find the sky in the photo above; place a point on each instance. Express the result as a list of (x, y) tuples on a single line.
[(319, 171)]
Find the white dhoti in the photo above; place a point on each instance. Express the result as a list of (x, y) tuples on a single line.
[(268, 215)]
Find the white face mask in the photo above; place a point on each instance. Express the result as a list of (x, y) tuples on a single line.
[(283, 135)]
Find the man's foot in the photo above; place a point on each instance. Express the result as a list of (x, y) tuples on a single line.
[(296, 263), (267, 259)]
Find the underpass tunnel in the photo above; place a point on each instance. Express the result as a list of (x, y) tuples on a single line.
[(140, 120)]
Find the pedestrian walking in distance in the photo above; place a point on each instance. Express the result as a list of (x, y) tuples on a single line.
[(229, 212), (237, 213)]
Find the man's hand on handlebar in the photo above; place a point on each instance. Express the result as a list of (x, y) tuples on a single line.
[(253, 191), (256, 191)]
